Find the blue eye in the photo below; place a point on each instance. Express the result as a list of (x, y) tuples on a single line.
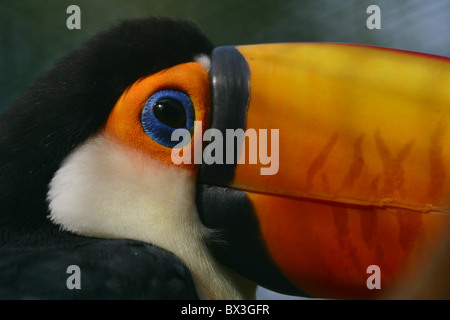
[(164, 112)]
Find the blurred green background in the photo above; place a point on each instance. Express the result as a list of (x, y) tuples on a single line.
[(33, 33)]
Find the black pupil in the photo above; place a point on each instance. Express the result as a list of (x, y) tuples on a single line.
[(170, 112)]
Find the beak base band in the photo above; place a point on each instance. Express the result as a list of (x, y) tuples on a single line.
[(230, 86)]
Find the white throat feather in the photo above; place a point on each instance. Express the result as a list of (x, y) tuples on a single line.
[(107, 190)]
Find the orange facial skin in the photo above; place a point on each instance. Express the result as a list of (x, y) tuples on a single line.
[(124, 122)]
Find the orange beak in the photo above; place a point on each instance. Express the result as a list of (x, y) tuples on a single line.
[(344, 166)]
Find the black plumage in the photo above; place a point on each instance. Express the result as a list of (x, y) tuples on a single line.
[(110, 269)]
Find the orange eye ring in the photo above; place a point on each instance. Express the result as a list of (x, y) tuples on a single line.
[(124, 123)]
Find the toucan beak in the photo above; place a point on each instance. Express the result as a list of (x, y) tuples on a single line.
[(345, 165)]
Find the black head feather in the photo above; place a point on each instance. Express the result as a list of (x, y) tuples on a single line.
[(68, 105)]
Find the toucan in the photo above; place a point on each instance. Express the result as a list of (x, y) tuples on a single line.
[(311, 169)]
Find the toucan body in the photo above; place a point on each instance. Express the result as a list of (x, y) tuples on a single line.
[(352, 144)]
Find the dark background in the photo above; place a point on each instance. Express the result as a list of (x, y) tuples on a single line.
[(33, 34)]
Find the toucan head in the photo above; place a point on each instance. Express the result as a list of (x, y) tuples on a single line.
[(297, 166)]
